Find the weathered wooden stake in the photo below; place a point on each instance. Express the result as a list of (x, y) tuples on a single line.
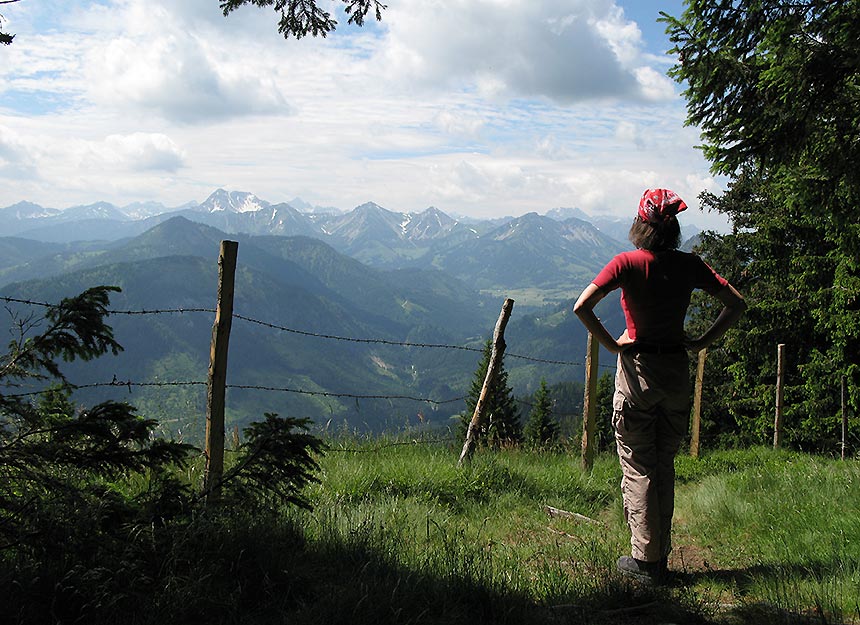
[(495, 358), (589, 403), (780, 383), (844, 415), (218, 371), (697, 405)]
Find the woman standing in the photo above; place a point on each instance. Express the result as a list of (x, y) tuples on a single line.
[(651, 405)]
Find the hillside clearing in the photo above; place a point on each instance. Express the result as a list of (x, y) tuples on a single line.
[(400, 535)]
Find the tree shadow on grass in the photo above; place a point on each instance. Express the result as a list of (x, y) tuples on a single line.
[(247, 570), (352, 580), (745, 580)]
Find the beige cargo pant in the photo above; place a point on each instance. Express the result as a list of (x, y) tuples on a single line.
[(651, 414)]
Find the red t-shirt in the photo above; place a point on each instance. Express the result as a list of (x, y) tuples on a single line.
[(656, 289)]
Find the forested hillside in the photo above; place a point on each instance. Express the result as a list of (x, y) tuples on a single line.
[(320, 333), (773, 87)]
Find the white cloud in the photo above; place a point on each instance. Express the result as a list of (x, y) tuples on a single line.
[(623, 37), (654, 85), (550, 147), (180, 77), (16, 157), (482, 107), (566, 50), (628, 132), (459, 123), (141, 152)]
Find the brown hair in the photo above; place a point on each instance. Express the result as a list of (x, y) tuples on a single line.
[(655, 237)]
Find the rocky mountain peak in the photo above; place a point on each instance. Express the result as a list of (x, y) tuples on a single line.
[(232, 201)]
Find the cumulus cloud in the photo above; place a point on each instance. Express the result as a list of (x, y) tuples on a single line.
[(16, 158), (566, 50), (459, 123), (485, 183), (59, 163), (142, 152), (550, 147), (159, 64), (628, 132), (483, 107)]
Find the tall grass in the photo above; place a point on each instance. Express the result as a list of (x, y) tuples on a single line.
[(784, 530), (485, 526), (399, 534)]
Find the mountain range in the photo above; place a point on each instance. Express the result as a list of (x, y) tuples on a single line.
[(303, 277), (552, 254)]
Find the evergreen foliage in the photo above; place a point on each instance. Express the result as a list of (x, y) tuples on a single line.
[(605, 410), (541, 429), (303, 17), (84, 481), (6, 38), (567, 401), (57, 462), (501, 421), (773, 86), (76, 330), (276, 460)]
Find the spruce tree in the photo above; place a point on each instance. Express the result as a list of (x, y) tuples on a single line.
[(541, 429), (773, 88), (501, 423), (605, 410), (58, 463)]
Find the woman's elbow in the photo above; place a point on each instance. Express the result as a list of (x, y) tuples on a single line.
[(587, 300), (583, 307)]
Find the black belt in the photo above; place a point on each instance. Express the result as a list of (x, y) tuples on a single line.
[(651, 348)]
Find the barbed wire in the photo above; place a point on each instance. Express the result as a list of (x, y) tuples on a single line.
[(354, 340), (130, 384), (377, 448), (115, 383), (14, 300), (162, 311), (275, 326), (552, 412), (402, 343), (155, 311), (346, 395)]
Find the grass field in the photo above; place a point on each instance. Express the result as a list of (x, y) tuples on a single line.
[(760, 537), (399, 534)]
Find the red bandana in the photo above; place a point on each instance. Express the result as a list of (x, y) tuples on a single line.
[(658, 204)]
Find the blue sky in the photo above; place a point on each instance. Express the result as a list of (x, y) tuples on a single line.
[(482, 108)]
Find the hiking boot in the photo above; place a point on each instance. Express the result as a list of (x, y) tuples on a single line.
[(651, 572)]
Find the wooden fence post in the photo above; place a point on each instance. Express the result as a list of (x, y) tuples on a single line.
[(495, 358), (589, 403), (844, 414), (218, 371), (780, 383), (697, 405)]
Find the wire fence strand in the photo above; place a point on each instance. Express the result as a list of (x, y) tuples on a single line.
[(130, 384), (378, 448), (275, 326), (379, 341)]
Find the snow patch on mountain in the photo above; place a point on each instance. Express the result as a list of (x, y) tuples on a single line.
[(233, 202)]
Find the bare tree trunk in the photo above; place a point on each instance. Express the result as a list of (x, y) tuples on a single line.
[(589, 404), (218, 371), (844, 395), (780, 385), (495, 358), (697, 405)]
